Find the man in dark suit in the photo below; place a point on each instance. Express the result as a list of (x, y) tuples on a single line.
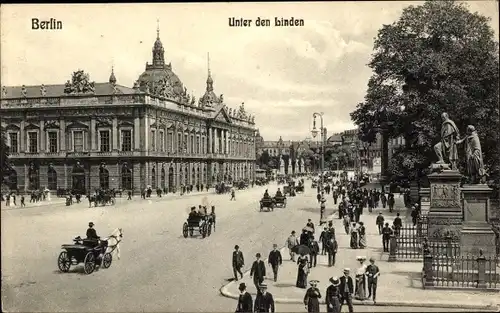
[(245, 302), (238, 262), (372, 272), (332, 251), (91, 233), (258, 271), (398, 223), (386, 236), (346, 289), (275, 260), (264, 301)]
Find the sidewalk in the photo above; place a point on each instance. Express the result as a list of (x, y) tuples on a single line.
[(399, 283)]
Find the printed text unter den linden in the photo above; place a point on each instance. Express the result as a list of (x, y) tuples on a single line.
[(264, 22)]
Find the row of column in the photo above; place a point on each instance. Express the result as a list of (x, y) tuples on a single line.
[(218, 140)]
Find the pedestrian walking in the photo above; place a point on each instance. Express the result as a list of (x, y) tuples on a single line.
[(383, 198), (386, 236), (291, 242), (390, 202), (22, 202), (380, 223), (302, 273), (129, 193), (258, 271), (332, 251), (346, 290), (323, 238), (245, 302), (362, 235), (361, 283), (275, 260), (238, 262), (310, 224), (372, 272), (414, 215), (233, 195), (312, 296), (264, 301), (314, 250), (398, 223), (332, 299)]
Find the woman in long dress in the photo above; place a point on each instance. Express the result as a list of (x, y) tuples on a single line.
[(362, 235), (303, 271), (354, 236), (311, 299), (360, 293)]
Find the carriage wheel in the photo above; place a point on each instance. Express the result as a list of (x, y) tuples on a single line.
[(203, 230), (63, 262), (107, 259), (185, 230), (191, 231), (89, 263), (209, 229)]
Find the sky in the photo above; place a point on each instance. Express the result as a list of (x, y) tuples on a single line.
[(282, 74)]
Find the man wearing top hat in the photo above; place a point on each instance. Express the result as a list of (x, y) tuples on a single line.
[(238, 262), (346, 289), (264, 301), (91, 233), (258, 271), (333, 296), (275, 260), (373, 272), (245, 302)]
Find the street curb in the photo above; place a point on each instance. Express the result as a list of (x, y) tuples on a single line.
[(224, 291), (445, 305)]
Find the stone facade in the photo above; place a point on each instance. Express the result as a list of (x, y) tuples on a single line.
[(111, 136)]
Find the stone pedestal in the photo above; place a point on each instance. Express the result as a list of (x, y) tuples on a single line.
[(445, 211), (476, 232)]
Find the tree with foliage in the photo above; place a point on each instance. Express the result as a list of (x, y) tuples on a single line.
[(286, 162), (438, 57)]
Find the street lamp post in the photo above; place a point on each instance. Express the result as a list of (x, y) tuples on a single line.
[(314, 133)]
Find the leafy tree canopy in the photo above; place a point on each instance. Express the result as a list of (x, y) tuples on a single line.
[(438, 57)]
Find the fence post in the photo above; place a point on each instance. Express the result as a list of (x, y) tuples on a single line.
[(428, 279), (449, 247), (481, 271), (392, 248)]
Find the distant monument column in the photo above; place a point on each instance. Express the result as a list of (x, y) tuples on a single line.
[(445, 212)]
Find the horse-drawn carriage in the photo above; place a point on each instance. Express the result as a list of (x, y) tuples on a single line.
[(102, 198), (201, 223), (267, 203), (280, 201), (89, 252)]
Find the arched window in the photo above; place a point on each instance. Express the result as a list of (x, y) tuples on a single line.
[(51, 179), (104, 178), (126, 178), (162, 178), (78, 176), (153, 178), (171, 179)]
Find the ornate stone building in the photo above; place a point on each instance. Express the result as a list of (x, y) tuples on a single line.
[(84, 135)]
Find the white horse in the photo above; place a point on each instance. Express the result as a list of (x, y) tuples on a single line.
[(114, 242)]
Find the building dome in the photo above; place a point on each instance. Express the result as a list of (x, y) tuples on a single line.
[(158, 78)]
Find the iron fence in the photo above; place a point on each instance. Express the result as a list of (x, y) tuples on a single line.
[(461, 271), (408, 241)]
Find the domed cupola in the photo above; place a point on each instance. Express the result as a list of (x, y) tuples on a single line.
[(112, 78), (158, 79)]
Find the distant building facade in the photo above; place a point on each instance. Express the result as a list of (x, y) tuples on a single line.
[(84, 135)]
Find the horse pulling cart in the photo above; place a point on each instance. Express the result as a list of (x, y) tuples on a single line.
[(88, 252)]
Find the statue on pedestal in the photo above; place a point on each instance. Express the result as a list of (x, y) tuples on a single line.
[(447, 147), (473, 155)]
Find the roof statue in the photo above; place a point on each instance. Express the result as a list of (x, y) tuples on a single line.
[(253, 119), (193, 100), (188, 98), (80, 83), (221, 98), (242, 114), (230, 112), (4, 91), (136, 85), (43, 90), (24, 91)]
